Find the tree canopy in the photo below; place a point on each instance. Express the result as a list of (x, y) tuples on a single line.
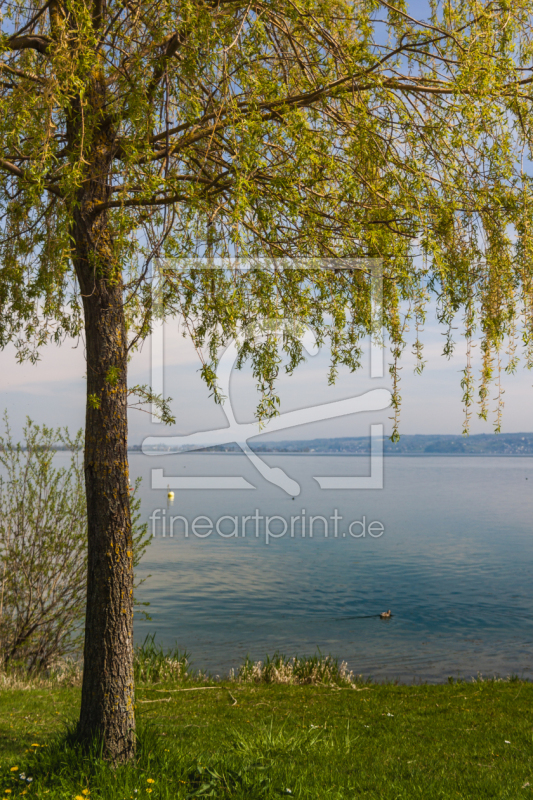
[(321, 128)]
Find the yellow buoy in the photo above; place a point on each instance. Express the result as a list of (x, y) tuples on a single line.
[(171, 495)]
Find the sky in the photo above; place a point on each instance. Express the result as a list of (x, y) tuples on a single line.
[(53, 392)]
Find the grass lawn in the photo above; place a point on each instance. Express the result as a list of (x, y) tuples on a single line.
[(242, 740)]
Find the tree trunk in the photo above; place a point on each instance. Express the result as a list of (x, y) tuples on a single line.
[(107, 703)]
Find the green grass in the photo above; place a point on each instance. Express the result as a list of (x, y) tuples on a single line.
[(269, 740)]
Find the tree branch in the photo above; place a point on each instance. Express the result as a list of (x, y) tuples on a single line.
[(28, 76), (39, 43), (19, 173), (301, 100), (173, 44), (159, 201)]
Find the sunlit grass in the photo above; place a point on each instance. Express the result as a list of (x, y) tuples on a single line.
[(268, 740)]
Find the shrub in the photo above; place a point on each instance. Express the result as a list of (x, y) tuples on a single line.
[(43, 548)]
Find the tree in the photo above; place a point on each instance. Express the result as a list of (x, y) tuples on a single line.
[(133, 130)]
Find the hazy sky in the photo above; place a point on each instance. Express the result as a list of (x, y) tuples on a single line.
[(53, 392)]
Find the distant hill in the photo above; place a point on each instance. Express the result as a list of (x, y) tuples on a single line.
[(480, 444), (503, 444)]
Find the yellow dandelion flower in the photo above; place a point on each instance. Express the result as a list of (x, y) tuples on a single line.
[(14, 769), (150, 780), (86, 792), (79, 797), (35, 745)]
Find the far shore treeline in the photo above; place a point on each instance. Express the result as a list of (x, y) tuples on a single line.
[(510, 444), (483, 444)]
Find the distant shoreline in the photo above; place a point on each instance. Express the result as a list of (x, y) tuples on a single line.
[(502, 444), (480, 445), (332, 453)]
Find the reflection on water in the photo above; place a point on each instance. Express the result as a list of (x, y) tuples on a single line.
[(453, 564)]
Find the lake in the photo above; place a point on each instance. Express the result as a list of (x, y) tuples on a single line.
[(450, 555)]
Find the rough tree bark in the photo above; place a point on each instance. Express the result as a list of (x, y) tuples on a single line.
[(107, 705)]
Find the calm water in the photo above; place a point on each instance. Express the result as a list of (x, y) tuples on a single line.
[(453, 565)]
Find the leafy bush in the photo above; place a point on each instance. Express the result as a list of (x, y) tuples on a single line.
[(43, 548)]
